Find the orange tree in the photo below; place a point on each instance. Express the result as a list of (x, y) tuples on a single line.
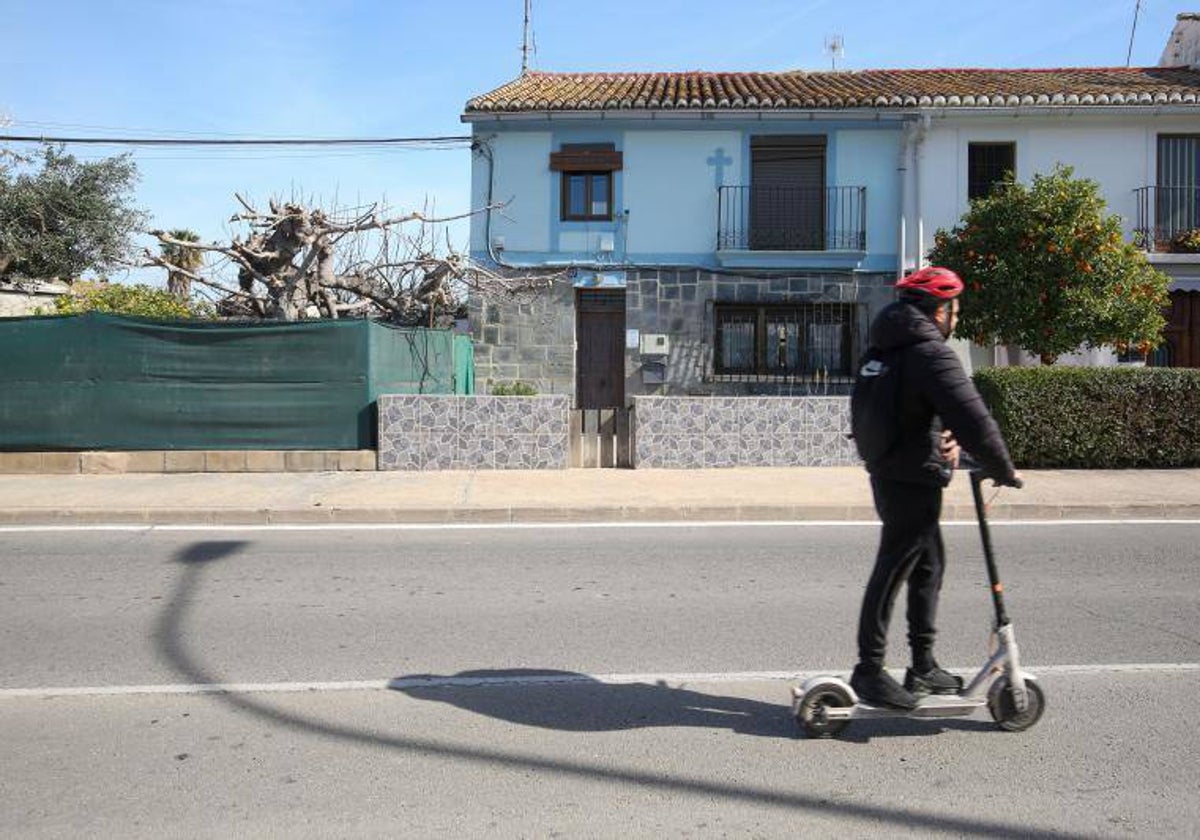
[(1046, 268)]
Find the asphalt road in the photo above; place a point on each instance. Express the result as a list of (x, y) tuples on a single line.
[(576, 681)]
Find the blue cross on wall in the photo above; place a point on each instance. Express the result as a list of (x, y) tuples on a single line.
[(719, 160)]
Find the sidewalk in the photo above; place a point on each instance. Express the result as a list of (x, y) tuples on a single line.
[(767, 494)]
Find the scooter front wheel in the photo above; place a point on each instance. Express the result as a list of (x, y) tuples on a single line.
[(1004, 708), (811, 711)]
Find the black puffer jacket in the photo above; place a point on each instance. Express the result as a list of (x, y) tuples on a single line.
[(935, 393)]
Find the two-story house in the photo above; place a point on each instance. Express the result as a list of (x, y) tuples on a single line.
[(726, 233)]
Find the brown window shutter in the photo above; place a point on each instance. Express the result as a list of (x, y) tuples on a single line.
[(586, 161)]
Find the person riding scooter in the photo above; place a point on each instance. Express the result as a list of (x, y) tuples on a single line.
[(936, 408)]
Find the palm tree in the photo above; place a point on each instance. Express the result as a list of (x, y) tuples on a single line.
[(189, 259)]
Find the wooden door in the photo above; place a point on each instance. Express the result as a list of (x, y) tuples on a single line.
[(600, 348), (1183, 331)]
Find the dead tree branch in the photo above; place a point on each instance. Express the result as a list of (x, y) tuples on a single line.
[(297, 261)]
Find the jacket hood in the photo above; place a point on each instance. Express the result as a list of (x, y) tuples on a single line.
[(900, 324)]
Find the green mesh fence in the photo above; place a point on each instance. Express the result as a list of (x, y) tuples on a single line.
[(464, 365), (105, 382)]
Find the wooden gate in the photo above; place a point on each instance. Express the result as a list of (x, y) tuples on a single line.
[(600, 437)]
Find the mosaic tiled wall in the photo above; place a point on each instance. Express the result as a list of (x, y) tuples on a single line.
[(422, 432), (690, 433)]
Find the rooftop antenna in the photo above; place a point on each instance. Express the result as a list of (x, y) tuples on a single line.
[(835, 45), (1136, 11), (526, 39)]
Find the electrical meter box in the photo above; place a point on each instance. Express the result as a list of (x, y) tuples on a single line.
[(655, 344)]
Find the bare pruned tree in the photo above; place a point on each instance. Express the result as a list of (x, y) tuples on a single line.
[(296, 261)]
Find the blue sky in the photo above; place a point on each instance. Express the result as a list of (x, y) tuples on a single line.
[(339, 68)]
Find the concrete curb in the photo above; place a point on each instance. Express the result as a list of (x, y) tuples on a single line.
[(188, 461), (317, 515)]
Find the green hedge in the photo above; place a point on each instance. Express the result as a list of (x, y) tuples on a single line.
[(1096, 417)]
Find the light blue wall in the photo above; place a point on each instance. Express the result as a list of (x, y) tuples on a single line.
[(671, 180), (522, 177), (871, 158), (668, 186)]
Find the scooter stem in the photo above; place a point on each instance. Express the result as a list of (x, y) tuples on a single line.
[(993, 575)]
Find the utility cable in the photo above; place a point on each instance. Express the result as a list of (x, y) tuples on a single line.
[(444, 140)]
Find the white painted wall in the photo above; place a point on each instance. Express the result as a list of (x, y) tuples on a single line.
[(670, 188), (16, 303), (1118, 151), (522, 178)]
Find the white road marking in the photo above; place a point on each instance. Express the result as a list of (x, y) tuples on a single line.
[(540, 526), (672, 680)]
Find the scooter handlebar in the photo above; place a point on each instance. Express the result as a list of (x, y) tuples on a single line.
[(979, 473)]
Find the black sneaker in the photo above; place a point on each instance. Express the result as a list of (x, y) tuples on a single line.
[(877, 688), (936, 680)]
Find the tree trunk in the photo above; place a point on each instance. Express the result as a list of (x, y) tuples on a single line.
[(180, 285)]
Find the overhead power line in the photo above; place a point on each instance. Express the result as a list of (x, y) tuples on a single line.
[(446, 140)]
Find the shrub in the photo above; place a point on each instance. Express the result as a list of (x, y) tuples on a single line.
[(119, 299), (1096, 417), (513, 389)]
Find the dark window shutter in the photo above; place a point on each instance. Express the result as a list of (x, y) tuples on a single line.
[(787, 192), (788, 161)]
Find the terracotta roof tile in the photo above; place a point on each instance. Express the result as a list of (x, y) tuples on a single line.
[(699, 90)]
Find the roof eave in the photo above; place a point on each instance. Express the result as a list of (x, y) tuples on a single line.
[(682, 114), (813, 114)]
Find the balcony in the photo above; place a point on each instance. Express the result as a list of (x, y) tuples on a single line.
[(1163, 213), (791, 226)]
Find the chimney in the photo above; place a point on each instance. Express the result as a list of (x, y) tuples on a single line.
[(1183, 47)]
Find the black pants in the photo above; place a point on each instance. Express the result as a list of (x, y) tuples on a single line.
[(910, 548)]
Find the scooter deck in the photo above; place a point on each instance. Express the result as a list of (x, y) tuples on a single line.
[(928, 706)]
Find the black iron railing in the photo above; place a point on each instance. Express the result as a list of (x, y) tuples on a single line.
[(1165, 212), (804, 342), (792, 218)]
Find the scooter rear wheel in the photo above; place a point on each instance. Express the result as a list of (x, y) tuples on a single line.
[(1004, 708), (811, 712)]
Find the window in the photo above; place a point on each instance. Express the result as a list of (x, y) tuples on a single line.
[(1177, 204), (587, 196), (784, 339), (587, 180), (987, 165)]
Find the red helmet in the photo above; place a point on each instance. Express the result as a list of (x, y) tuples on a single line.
[(941, 283)]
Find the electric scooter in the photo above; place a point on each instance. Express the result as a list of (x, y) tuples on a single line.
[(825, 705)]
